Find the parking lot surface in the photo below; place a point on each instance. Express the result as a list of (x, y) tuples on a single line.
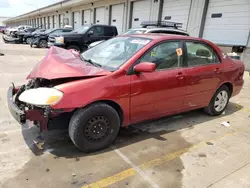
[(185, 150)]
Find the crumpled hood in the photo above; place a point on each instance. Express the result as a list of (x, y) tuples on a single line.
[(61, 63)]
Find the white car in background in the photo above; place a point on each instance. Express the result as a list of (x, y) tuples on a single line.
[(9, 31), (164, 28)]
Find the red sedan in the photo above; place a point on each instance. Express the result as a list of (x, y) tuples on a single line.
[(122, 81)]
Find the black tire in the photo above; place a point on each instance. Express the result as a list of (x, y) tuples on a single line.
[(211, 110), (27, 40), (83, 131), (74, 47), (42, 44)]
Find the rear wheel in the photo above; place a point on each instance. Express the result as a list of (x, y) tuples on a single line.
[(94, 127), (74, 47), (219, 101), (42, 44)]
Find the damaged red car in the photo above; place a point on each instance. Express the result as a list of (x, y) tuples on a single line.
[(123, 81)]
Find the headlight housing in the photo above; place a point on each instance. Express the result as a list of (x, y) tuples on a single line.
[(41, 96), (59, 40)]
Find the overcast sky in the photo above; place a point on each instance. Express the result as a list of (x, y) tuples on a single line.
[(11, 8)]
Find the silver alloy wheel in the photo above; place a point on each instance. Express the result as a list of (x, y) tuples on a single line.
[(221, 101), (28, 40)]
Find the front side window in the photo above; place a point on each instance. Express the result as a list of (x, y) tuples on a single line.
[(98, 31), (112, 53), (166, 55), (199, 54)]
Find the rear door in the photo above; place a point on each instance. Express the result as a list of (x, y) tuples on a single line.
[(203, 74)]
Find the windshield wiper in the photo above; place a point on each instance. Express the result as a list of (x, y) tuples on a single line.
[(91, 62)]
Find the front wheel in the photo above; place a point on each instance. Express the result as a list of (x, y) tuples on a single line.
[(28, 40), (219, 101), (43, 44), (94, 127)]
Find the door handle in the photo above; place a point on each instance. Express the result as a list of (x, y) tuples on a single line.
[(180, 76), (217, 70)]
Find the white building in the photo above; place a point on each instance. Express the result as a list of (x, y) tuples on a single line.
[(224, 22), (2, 18)]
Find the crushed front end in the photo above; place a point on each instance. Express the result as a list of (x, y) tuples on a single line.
[(41, 115)]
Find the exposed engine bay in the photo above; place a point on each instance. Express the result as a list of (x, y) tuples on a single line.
[(43, 113)]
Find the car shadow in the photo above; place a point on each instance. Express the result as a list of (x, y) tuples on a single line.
[(59, 144)]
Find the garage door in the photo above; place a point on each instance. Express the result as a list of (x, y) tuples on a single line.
[(46, 22), (117, 14), (61, 20), (51, 22), (86, 17), (76, 20), (140, 12), (176, 11), (228, 22), (99, 15)]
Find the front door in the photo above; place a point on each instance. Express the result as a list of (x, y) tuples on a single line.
[(202, 74), (98, 33), (161, 92)]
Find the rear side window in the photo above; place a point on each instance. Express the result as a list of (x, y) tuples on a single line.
[(200, 54), (109, 31)]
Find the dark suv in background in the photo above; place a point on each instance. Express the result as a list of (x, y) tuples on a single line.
[(41, 39), (80, 38)]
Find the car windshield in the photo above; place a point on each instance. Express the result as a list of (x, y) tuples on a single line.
[(48, 31), (134, 31), (82, 29), (112, 53)]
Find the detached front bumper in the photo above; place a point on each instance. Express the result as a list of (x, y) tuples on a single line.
[(18, 114), (36, 115)]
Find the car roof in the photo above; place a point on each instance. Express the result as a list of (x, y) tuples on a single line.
[(161, 28), (159, 36), (103, 25), (139, 28), (167, 29)]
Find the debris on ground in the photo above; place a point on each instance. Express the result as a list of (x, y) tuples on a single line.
[(209, 143), (1, 54), (47, 170), (226, 123), (223, 113), (73, 174)]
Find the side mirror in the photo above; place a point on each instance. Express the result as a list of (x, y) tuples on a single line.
[(91, 32), (145, 67)]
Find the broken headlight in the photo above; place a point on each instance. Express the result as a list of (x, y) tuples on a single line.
[(41, 96)]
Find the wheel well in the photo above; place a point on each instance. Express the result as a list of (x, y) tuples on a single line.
[(114, 105), (230, 87), (73, 44)]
